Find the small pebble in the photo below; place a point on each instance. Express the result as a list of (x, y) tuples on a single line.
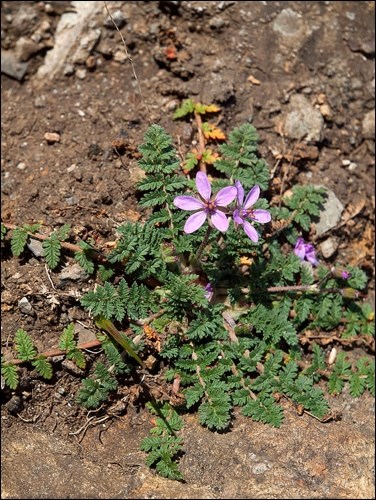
[(52, 137), (329, 247), (81, 73), (117, 18)]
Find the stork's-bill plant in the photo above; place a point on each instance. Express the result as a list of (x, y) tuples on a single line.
[(223, 300)]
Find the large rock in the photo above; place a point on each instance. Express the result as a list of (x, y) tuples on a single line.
[(303, 121)]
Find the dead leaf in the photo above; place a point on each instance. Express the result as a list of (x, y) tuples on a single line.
[(352, 210)]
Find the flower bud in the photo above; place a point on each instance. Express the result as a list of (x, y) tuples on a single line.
[(350, 293)]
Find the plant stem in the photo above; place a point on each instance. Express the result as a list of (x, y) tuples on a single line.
[(195, 259), (201, 141)]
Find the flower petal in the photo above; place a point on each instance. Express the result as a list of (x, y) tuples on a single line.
[(225, 196), (299, 249), (240, 190), (194, 221), (188, 203), (262, 216), (209, 292), (252, 197), (220, 221), (203, 185), (250, 231), (310, 254), (237, 218)]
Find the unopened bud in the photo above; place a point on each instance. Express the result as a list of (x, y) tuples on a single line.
[(340, 272), (350, 293)]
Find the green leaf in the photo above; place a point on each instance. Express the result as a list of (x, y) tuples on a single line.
[(215, 412), (18, 241), (193, 394), (3, 231), (63, 232), (357, 384), (52, 247), (264, 410), (186, 108), (77, 357), (84, 257), (10, 374), (24, 345), (43, 367), (67, 342)]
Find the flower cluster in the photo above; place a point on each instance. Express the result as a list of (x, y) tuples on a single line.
[(305, 251), (214, 208)]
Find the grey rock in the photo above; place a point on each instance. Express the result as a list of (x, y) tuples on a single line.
[(84, 335), (117, 18), (68, 70), (217, 22), (86, 46), (331, 213), (26, 307), (218, 88), (81, 73), (10, 65), (26, 48), (303, 121), (368, 125), (35, 246), (329, 247), (70, 29), (71, 367), (73, 273), (288, 22)]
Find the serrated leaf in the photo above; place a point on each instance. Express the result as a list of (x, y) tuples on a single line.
[(357, 384), (209, 157), (183, 110), (84, 260), (210, 131), (3, 231), (10, 374), (63, 232), (51, 248), (31, 228), (18, 241), (77, 357), (67, 342), (43, 367), (24, 345), (190, 162), (201, 109)]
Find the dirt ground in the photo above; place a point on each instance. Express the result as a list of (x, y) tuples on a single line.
[(64, 72)]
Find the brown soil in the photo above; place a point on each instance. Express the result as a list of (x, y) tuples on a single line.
[(249, 59)]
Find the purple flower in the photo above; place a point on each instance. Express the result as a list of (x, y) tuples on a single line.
[(340, 272), (245, 211), (209, 291), (305, 251), (205, 207)]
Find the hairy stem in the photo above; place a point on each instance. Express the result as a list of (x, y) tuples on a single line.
[(201, 141), (194, 261)]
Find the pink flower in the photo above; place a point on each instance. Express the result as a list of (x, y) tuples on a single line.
[(305, 251), (206, 207), (209, 292), (245, 211)]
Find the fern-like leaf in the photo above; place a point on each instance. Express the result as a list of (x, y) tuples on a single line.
[(51, 248), (24, 345), (10, 375), (43, 367)]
